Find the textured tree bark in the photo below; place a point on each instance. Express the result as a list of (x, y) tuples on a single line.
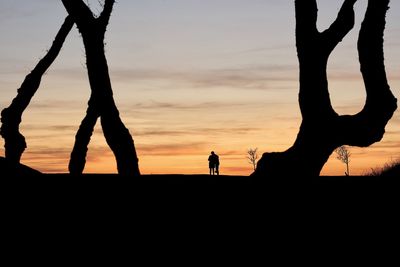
[(11, 117), (101, 103), (322, 129)]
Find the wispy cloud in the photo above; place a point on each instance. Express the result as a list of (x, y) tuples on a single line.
[(48, 128), (388, 145), (353, 76), (186, 149), (204, 131), (55, 160), (159, 105), (55, 104), (259, 77), (247, 77), (282, 47)]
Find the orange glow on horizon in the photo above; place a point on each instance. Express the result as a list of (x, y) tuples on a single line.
[(192, 159)]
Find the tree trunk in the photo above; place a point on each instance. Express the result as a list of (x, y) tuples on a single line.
[(322, 129), (82, 139), (11, 117), (101, 102)]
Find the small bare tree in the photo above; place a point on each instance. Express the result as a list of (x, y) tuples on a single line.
[(252, 157), (343, 154)]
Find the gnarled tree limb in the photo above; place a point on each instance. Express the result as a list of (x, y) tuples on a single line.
[(322, 129), (11, 117), (101, 103)]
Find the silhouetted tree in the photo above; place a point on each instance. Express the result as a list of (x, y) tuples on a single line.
[(343, 154), (252, 156), (14, 141), (321, 130), (101, 103)]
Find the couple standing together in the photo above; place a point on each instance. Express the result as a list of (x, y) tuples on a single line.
[(213, 163)]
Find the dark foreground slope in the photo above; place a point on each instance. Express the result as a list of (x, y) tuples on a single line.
[(182, 179), (161, 194), (9, 169)]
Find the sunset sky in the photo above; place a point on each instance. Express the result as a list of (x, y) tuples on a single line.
[(189, 76)]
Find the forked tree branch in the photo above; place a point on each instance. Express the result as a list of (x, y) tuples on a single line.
[(80, 12), (322, 129), (101, 103), (368, 126), (343, 24), (106, 13)]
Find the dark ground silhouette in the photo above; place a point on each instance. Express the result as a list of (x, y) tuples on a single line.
[(390, 177), (9, 168)]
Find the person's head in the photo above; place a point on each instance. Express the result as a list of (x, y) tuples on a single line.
[(212, 152)]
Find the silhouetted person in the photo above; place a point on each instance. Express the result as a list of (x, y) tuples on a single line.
[(216, 163), (213, 163)]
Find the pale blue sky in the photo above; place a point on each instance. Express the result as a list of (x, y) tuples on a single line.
[(187, 64)]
